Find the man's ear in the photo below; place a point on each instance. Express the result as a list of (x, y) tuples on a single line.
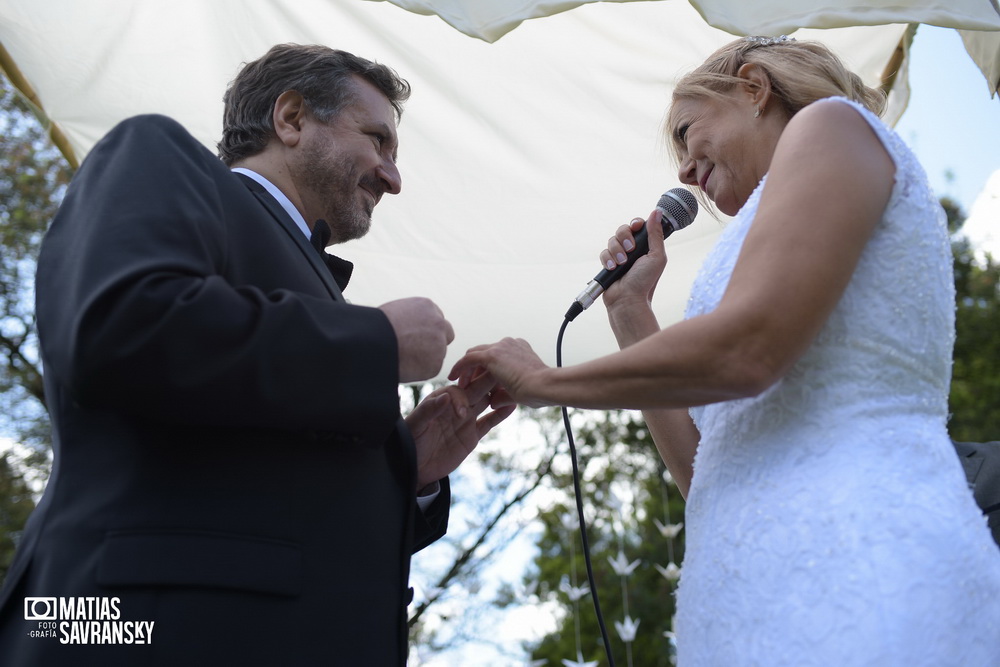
[(289, 111), (757, 84)]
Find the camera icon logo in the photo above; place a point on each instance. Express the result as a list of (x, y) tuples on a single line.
[(40, 609)]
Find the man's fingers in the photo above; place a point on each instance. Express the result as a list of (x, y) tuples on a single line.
[(486, 424)]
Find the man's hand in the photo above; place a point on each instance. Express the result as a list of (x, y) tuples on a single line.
[(446, 426), (422, 335)]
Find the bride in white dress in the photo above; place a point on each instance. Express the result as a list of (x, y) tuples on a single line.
[(802, 404)]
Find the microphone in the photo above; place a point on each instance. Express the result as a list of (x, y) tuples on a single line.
[(677, 207)]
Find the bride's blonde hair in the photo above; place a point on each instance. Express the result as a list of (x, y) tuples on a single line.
[(800, 73)]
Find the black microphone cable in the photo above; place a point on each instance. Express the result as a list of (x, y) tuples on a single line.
[(678, 208), (579, 501)]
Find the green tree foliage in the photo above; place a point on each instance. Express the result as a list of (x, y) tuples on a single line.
[(33, 176), (627, 503), (974, 401), (464, 582), (16, 504)]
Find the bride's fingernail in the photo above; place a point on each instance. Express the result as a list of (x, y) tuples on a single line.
[(611, 264), (628, 245), (621, 258)]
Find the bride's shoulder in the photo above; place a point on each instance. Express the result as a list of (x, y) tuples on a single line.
[(836, 116)]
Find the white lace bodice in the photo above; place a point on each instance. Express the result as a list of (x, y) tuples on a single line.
[(814, 515), (892, 334)]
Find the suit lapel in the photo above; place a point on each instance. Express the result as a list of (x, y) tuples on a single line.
[(295, 234)]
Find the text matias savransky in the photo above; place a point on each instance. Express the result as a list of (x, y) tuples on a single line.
[(84, 620)]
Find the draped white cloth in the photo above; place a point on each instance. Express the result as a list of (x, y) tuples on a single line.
[(521, 151), (491, 19)]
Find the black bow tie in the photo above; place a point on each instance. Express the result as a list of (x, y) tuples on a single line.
[(340, 269), (320, 237)]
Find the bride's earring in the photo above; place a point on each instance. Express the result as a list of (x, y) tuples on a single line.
[(756, 112)]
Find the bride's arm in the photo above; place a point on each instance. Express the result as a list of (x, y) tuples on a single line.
[(672, 430), (828, 185)]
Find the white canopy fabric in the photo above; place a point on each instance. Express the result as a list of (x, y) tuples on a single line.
[(491, 19), (984, 47), (521, 150)]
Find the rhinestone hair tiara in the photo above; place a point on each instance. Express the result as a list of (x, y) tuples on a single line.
[(768, 41)]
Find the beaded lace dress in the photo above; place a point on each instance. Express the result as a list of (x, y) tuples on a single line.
[(829, 521)]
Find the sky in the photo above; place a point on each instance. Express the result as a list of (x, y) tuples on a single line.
[(951, 122)]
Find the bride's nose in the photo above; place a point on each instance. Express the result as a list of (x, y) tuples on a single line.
[(687, 173)]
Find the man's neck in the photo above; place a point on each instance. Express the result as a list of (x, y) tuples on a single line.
[(278, 195), (274, 169)]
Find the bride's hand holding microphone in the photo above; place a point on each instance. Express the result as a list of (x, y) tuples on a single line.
[(629, 300)]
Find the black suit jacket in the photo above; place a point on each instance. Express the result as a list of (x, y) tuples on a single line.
[(230, 461)]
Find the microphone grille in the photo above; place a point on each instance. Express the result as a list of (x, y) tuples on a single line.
[(679, 207)]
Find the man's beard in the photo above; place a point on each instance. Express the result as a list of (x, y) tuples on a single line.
[(335, 183)]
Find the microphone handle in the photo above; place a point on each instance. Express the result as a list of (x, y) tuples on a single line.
[(607, 277)]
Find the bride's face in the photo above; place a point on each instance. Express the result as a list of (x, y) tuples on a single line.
[(720, 147)]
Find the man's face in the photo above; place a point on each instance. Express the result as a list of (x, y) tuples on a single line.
[(346, 165)]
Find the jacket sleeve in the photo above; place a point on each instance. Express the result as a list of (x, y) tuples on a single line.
[(432, 523), (141, 307)]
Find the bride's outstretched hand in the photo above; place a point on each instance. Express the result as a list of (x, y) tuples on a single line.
[(516, 367)]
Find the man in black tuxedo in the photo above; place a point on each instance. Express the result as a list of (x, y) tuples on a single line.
[(233, 481)]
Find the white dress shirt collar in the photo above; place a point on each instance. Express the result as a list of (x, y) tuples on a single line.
[(280, 196)]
